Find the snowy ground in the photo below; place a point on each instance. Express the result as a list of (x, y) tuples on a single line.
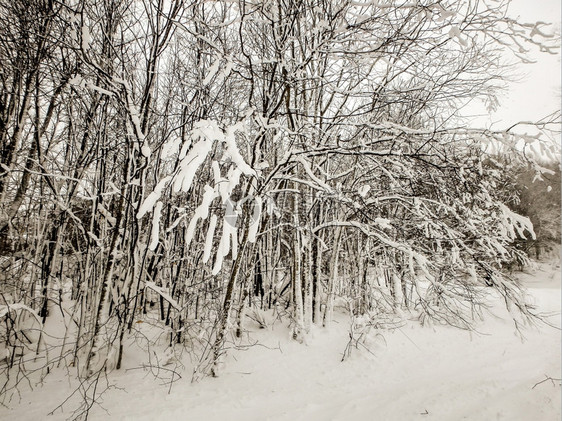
[(416, 373)]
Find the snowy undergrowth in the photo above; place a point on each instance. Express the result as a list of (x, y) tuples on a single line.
[(403, 371)]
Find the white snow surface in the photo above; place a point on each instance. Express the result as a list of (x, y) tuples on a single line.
[(413, 373)]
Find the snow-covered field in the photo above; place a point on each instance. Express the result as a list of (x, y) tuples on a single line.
[(410, 373)]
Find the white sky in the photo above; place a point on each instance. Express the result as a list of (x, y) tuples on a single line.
[(538, 93)]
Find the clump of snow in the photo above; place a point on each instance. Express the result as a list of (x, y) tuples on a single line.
[(86, 37), (154, 234), (99, 89), (255, 222), (364, 190), (145, 150), (229, 235), (170, 148), (209, 238), (455, 32), (151, 199), (233, 153), (212, 71), (106, 214), (513, 223), (190, 164), (192, 156), (163, 293), (201, 212)]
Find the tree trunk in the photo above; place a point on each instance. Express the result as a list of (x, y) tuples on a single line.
[(329, 313), (224, 321)]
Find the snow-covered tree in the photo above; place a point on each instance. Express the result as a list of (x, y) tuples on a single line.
[(216, 159)]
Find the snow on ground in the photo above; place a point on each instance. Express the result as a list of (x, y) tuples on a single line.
[(416, 373)]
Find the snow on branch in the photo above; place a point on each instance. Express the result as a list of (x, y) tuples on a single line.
[(155, 227), (8, 308), (308, 170), (153, 197), (201, 212), (514, 224), (162, 292), (194, 153), (253, 230)]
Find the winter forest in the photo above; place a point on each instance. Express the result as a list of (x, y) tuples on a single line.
[(178, 177)]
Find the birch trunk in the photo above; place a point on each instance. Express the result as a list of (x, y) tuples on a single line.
[(329, 313), (224, 322), (307, 278), (298, 305)]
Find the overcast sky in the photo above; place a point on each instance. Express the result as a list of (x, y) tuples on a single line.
[(538, 94)]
